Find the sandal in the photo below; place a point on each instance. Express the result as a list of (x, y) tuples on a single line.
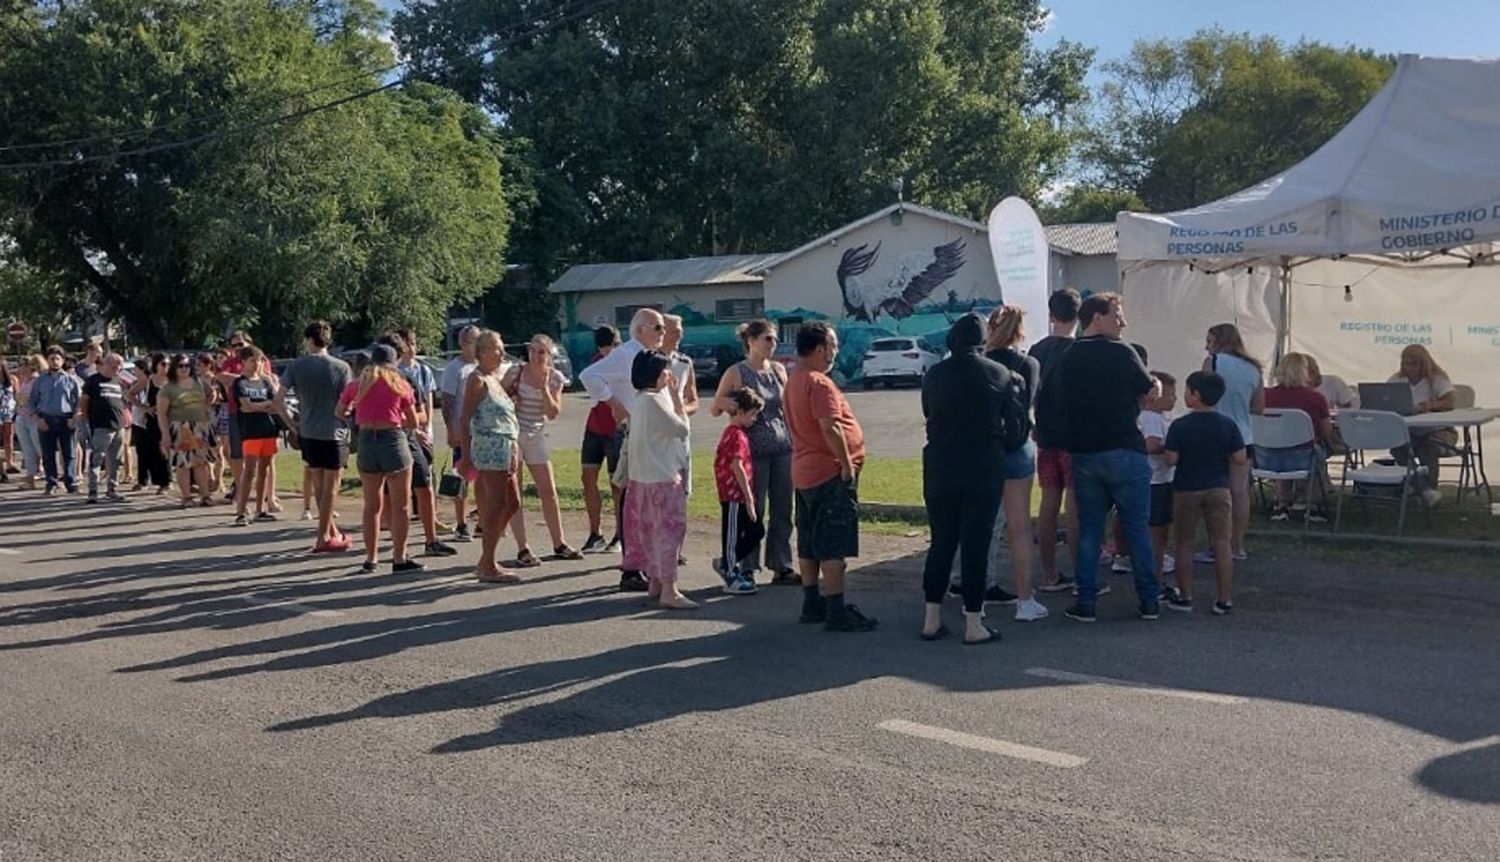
[(527, 560), (566, 552), (500, 577)]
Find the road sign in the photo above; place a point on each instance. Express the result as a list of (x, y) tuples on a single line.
[(16, 332)]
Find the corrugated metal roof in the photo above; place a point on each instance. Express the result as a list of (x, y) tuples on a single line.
[(1083, 239), (727, 269)]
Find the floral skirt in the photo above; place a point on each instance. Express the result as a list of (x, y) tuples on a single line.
[(192, 444), (653, 525)]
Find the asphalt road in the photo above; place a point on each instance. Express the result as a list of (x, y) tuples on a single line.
[(174, 689)]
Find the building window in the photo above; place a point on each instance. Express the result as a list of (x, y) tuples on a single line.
[(623, 313), (726, 310)]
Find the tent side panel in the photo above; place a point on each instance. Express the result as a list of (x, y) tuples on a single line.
[(1169, 309)]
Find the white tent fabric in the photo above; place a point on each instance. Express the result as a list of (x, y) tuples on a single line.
[(1417, 169), (1381, 238)]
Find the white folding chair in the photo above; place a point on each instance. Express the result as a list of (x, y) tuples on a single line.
[(1463, 396), (1286, 429), (1377, 430)]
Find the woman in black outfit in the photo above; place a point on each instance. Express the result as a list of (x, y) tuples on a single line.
[(963, 473), (151, 466)]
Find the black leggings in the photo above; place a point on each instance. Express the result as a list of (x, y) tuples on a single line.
[(151, 466), (963, 492)]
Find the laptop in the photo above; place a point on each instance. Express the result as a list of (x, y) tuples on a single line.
[(1391, 397)]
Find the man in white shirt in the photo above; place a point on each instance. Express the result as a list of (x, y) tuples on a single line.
[(608, 380), (455, 375)]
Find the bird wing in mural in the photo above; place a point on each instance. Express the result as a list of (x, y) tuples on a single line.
[(947, 261), (854, 263)]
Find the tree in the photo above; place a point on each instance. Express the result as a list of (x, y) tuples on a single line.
[(660, 128), (384, 210), (1085, 203), (1186, 122)]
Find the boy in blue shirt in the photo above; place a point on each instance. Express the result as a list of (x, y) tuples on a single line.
[(1201, 446)]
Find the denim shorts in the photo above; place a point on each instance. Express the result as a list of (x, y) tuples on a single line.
[(383, 451), (1021, 464)]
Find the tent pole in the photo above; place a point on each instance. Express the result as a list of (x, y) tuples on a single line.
[(1284, 331)]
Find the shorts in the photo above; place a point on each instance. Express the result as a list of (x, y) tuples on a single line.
[(421, 461), (325, 454), (1021, 464), (492, 452), (1161, 505), (383, 451), (534, 449), (599, 449), (1213, 505), (1054, 468), (260, 447), (828, 521), (236, 441)]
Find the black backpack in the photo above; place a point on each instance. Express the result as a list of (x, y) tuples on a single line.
[(1015, 411)]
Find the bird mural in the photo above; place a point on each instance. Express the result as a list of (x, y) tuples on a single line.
[(913, 280)]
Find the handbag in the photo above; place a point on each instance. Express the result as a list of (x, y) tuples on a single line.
[(450, 484)]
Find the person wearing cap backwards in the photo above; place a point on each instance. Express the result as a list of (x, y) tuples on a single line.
[(383, 406)]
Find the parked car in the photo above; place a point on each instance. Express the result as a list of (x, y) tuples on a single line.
[(711, 361), (900, 359)]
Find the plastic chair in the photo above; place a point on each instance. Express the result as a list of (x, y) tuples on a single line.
[(1286, 429), (1376, 429), (1462, 451), (1463, 396)]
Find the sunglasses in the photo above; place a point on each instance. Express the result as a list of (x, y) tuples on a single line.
[(660, 327)]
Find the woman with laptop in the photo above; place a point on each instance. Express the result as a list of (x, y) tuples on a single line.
[(1431, 392)]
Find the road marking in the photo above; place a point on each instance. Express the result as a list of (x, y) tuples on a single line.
[(296, 607), (983, 743), (10, 552), (1131, 685), (1475, 744)]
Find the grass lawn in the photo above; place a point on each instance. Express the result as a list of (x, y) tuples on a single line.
[(898, 482)]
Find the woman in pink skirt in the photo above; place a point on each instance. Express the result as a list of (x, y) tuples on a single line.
[(655, 506)]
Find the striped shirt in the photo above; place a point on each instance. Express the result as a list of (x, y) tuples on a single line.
[(531, 402)]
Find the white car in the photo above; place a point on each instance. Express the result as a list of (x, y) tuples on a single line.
[(903, 358)]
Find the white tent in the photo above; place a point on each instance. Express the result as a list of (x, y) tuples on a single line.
[(1381, 238)]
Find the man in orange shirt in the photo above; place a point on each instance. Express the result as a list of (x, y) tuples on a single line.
[(828, 450)]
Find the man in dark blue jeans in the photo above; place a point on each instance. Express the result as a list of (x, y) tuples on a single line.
[(54, 401), (1099, 408)]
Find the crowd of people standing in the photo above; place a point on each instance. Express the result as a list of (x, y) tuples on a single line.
[(1079, 414)]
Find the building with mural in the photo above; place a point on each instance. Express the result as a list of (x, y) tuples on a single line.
[(905, 269)]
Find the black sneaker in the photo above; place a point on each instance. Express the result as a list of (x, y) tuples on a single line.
[(613, 546), (1281, 513), (1221, 609), (265, 517), (815, 611), (1178, 603), (241, 521), (1169, 594), (1317, 515), (1080, 613), (438, 549), (92, 499), (407, 567), (461, 533), (849, 620), (632, 581), (367, 567), (595, 544), (998, 596), (1149, 610)]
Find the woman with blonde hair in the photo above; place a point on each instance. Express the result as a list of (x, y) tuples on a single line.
[(1295, 390), (488, 433), (536, 387), (1431, 392), (1004, 333), (26, 428), (383, 405), (1244, 396)]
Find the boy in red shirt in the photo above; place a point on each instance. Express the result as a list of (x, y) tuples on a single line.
[(739, 526)]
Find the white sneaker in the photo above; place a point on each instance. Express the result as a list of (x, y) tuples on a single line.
[(1120, 565), (1030, 610), (1431, 497), (307, 515), (1168, 564)]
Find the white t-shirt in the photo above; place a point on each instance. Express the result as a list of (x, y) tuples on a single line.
[(1338, 393), (1425, 390), (1154, 423), (654, 448), (455, 375)]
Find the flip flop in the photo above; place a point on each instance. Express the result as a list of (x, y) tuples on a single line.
[(499, 578), (993, 638), (937, 634)]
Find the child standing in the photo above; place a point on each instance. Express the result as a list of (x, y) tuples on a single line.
[(1202, 445), (739, 526), (1154, 423)]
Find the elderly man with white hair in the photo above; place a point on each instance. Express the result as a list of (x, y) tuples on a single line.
[(608, 380), (101, 408)]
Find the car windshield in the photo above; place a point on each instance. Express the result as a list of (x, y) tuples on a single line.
[(890, 345)]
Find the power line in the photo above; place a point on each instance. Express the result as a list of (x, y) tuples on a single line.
[(489, 47)]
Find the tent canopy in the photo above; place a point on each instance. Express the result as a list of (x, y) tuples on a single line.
[(1417, 170)]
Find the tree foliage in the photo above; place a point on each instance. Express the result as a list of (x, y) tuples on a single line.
[(660, 128), (1186, 122), (386, 209), (1082, 203)]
